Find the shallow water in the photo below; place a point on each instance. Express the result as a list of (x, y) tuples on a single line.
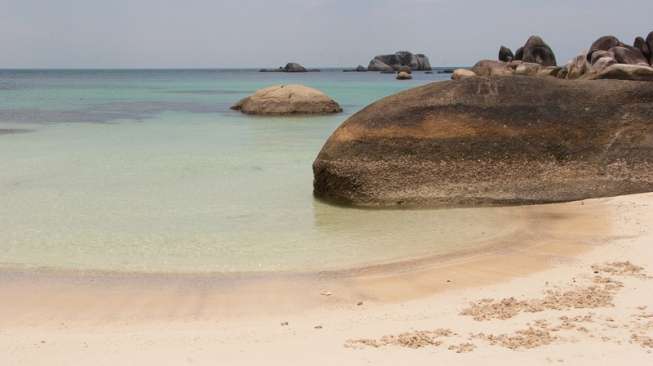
[(151, 171)]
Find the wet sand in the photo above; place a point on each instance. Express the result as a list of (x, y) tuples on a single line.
[(433, 309)]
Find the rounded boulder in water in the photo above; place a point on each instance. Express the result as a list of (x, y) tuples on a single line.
[(286, 100)]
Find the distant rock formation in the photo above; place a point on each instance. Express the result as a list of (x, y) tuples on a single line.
[(416, 62), (534, 51), (607, 58), (287, 99), (505, 54), (290, 67), (486, 141), (294, 67), (537, 51), (359, 68), (378, 65)]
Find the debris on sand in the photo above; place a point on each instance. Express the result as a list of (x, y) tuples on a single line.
[(462, 348), (521, 339), (416, 339), (599, 294), (643, 341), (620, 269)]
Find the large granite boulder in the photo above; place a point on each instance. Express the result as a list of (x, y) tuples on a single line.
[(642, 46), (418, 62), (604, 43), (287, 99), (629, 55), (492, 141), (505, 54), (537, 51)]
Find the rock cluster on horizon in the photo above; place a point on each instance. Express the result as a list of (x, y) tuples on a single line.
[(290, 67), (493, 141), (392, 63), (286, 100), (606, 58)]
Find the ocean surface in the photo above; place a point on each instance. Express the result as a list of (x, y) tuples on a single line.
[(149, 170)]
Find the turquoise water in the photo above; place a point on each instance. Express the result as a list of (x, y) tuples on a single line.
[(150, 171)]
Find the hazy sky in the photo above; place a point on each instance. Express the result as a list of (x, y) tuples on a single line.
[(316, 33)]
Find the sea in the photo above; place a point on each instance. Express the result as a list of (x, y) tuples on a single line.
[(150, 171)]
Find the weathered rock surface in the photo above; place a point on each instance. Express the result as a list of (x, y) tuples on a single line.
[(492, 68), (629, 56), (603, 63), (505, 54), (626, 72), (527, 69), (578, 67), (549, 71), (287, 99), (492, 141), (416, 62), (459, 74)]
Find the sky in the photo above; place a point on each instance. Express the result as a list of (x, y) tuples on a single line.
[(315, 33)]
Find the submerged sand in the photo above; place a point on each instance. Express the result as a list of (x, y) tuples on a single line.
[(573, 285)]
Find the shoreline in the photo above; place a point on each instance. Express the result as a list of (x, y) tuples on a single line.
[(327, 320), (540, 241)]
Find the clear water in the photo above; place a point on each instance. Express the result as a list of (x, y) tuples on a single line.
[(150, 171)]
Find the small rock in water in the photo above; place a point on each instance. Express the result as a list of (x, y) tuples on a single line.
[(360, 303)]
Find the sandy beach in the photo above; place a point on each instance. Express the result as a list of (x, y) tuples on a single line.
[(572, 286)]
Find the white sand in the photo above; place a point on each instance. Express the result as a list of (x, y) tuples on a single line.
[(45, 322)]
